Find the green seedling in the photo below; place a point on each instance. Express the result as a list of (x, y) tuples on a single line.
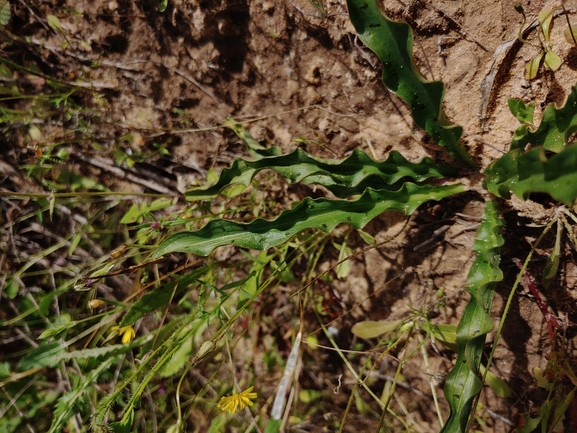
[(546, 57)]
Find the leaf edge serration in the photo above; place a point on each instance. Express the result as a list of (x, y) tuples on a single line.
[(464, 381), (324, 214)]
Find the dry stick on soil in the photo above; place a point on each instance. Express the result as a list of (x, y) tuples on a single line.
[(42, 22), (485, 143), (363, 51), (196, 83), (58, 53), (498, 417), (107, 165), (309, 14), (79, 218), (241, 119), (464, 33), (438, 233), (568, 22), (435, 237)]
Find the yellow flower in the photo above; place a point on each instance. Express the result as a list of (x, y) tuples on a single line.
[(126, 331), (237, 401)]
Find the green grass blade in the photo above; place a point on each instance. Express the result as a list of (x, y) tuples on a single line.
[(145, 371), (464, 381), (67, 403), (323, 214), (343, 178), (552, 264), (392, 42), (50, 354), (526, 172)]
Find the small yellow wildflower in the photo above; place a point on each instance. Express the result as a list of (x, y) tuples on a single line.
[(126, 331), (237, 401)]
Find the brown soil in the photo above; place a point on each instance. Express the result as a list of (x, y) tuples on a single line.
[(172, 78)]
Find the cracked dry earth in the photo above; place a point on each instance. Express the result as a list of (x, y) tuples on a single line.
[(290, 73)]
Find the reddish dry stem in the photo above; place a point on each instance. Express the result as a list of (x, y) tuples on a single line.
[(550, 318)]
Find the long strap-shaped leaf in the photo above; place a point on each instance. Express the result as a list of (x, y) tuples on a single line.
[(392, 42), (323, 214), (464, 382), (343, 178)]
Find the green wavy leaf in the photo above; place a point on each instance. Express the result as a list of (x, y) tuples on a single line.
[(323, 214), (464, 381), (526, 172), (344, 178), (392, 42), (555, 129)]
